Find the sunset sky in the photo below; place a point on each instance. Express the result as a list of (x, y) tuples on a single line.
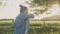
[(11, 9)]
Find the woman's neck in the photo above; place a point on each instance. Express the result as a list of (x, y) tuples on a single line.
[(24, 13)]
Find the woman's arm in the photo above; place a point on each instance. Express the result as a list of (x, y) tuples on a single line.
[(28, 16)]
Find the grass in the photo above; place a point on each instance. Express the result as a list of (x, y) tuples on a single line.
[(6, 27)]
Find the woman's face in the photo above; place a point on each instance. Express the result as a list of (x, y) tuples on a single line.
[(26, 11)]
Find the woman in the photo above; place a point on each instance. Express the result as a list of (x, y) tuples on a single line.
[(21, 24)]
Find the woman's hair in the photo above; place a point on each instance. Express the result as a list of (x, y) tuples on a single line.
[(23, 8)]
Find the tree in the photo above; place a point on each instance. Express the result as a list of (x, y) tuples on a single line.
[(46, 4), (2, 4)]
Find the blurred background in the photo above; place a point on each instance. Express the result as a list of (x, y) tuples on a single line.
[(46, 20)]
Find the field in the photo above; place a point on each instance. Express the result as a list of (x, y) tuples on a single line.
[(36, 27)]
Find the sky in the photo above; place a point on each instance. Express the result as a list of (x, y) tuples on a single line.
[(11, 9)]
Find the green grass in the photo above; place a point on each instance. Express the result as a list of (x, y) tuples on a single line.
[(6, 27)]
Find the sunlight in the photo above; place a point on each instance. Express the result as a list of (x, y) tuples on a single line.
[(55, 8), (11, 10)]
